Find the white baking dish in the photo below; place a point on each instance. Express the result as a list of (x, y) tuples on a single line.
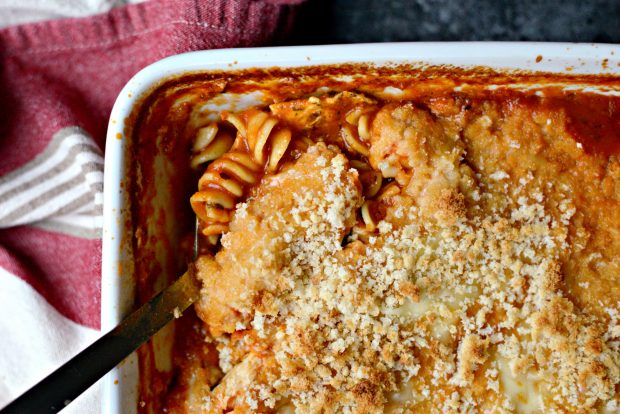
[(118, 285)]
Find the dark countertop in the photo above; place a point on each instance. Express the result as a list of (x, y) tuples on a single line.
[(351, 21)]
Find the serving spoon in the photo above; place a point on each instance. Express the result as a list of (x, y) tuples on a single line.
[(62, 386)]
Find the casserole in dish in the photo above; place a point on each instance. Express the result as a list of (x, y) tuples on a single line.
[(397, 236)]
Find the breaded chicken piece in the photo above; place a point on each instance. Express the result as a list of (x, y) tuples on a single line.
[(411, 146), (245, 276)]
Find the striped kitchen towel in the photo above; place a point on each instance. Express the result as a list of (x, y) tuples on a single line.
[(58, 81)]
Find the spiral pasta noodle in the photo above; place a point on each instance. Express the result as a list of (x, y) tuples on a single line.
[(211, 142), (266, 143), (355, 134), (372, 210), (356, 131), (258, 148), (371, 179)]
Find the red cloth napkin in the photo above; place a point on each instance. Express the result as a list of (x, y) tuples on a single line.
[(58, 82)]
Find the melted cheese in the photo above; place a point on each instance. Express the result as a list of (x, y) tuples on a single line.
[(522, 391)]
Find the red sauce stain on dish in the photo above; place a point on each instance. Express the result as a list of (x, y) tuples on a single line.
[(605, 63), (594, 121), (539, 58)]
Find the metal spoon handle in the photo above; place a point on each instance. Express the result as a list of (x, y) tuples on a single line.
[(65, 384)]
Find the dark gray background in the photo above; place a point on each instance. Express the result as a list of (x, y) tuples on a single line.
[(350, 21)]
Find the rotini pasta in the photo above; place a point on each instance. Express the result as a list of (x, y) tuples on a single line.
[(372, 210), (210, 143), (259, 147), (371, 179), (356, 138), (374, 193), (217, 193), (266, 143), (360, 116)]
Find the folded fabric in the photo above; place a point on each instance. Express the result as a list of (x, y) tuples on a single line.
[(14, 12), (58, 82)]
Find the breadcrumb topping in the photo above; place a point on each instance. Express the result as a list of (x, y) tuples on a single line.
[(457, 303)]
